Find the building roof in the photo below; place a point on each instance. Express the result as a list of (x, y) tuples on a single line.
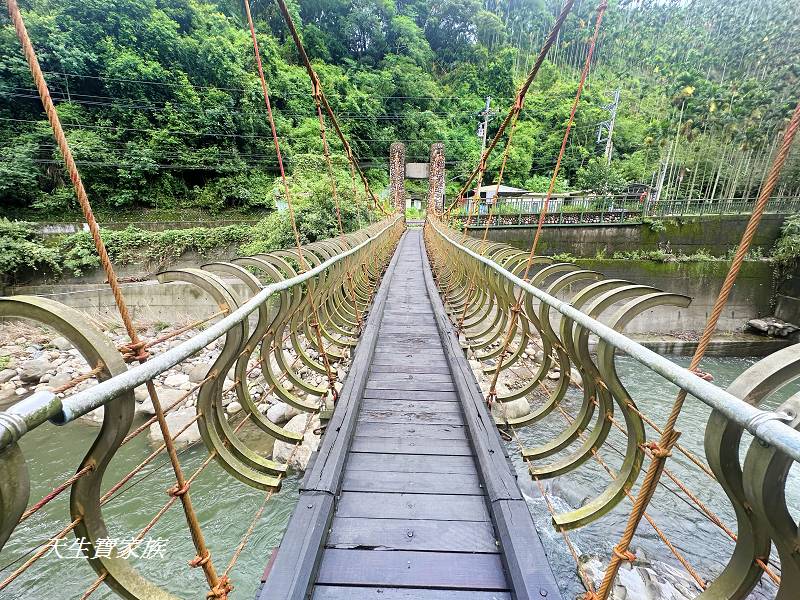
[(503, 189)]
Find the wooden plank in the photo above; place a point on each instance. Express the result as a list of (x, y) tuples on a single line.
[(526, 564), (391, 359), (442, 507), (416, 328), (409, 369), (410, 534), (335, 592), (525, 561), (417, 483), (427, 396), (442, 377), (437, 432), (418, 418), (412, 386), (410, 463), (407, 446), (410, 406), (295, 565), (419, 569)]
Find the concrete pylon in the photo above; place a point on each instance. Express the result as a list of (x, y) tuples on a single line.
[(397, 176), (436, 178)]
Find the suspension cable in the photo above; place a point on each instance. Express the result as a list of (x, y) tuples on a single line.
[(517, 106), (94, 228), (517, 307), (287, 17), (669, 436)]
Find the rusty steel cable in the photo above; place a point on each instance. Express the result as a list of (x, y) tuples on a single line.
[(517, 307), (669, 435), (517, 106), (94, 228), (327, 154), (287, 17), (315, 322), (224, 578)]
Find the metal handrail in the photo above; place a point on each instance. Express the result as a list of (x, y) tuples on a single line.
[(45, 405), (764, 425)]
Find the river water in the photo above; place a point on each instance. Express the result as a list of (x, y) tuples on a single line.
[(226, 507)]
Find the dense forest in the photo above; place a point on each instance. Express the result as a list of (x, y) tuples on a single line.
[(162, 105)]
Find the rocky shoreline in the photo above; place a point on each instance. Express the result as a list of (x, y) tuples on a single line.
[(33, 358)]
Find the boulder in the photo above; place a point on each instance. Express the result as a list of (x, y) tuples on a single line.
[(176, 380), (94, 417), (199, 372), (8, 394), (511, 410), (60, 379), (648, 580), (7, 375), (166, 396), (281, 413), (298, 458), (61, 343), (32, 370), (177, 420)]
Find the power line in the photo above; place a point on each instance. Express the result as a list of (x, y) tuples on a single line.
[(228, 89)]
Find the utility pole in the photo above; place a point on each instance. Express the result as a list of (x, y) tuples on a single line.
[(608, 126), (483, 127)]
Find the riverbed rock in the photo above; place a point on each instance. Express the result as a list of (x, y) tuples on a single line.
[(643, 579), (281, 413), (32, 370), (176, 421), (60, 379), (7, 375), (772, 326), (298, 458), (554, 375), (176, 380), (233, 408), (94, 417), (166, 396), (61, 343), (199, 372), (8, 394), (511, 410)]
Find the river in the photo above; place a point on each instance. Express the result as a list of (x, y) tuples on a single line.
[(226, 507)]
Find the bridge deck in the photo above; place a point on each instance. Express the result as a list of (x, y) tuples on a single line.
[(404, 499)]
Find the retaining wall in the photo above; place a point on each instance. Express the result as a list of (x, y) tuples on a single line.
[(716, 234)]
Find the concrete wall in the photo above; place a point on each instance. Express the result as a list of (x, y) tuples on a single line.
[(149, 301), (701, 281), (178, 302), (717, 234), (787, 300)]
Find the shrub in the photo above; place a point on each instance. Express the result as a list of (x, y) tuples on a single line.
[(21, 248)]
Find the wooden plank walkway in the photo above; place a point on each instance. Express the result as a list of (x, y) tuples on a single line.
[(416, 507)]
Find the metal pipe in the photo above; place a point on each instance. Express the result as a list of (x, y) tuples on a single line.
[(31, 413), (758, 422)]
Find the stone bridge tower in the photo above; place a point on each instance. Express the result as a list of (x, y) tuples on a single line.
[(436, 178), (397, 176)]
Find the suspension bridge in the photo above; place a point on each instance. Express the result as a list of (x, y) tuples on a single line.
[(399, 344)]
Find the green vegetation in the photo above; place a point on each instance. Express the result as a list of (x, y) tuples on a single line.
[(564, 257), (21, 248), (786, 254), (163, 109)]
